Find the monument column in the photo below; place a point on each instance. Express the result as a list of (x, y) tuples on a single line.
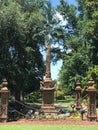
[(47, 86)]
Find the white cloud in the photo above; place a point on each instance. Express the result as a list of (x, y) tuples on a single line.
[(57, 46), (60, 18)]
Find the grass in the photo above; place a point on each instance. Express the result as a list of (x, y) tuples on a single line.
[(46, 127), (67, 102), (97, 110)]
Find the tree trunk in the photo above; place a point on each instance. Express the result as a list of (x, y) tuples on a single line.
[(21, 96), (17, 94)]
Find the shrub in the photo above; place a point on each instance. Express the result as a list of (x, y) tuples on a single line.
[(34, 96), (84, 101), (59, 95)]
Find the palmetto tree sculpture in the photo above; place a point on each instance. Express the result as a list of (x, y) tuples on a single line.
[(48, 38), (47, 85), (48, 30)]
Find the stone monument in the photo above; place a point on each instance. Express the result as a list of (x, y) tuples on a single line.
[(47, 87)]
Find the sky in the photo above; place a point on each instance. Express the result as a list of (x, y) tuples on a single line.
[(56, 2), (56, 68)]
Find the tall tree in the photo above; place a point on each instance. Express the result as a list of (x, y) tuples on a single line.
[(88, 13), (76, 54), (21, 61)]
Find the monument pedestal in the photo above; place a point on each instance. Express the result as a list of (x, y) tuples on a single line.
[(47, 90)]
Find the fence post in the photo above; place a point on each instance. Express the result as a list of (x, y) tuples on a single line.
[(4, 92), (78, 95), (91, 101)]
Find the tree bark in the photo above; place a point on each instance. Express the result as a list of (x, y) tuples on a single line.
[(17, 94)]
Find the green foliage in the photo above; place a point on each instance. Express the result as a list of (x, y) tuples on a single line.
[(84, 101), (59, 94), (21, 61), (33, 96), (90, 25), (73, 69), (92, 72), (24, 28), (80, 51)]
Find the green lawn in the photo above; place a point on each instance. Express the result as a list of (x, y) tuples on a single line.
[(46, 127)]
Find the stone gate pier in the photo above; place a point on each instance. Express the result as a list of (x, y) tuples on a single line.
[(91, 101), (78, 90), (4, 93)]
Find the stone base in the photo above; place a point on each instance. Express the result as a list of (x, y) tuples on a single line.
[(48, 109), (3, 119), (92, 118)]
